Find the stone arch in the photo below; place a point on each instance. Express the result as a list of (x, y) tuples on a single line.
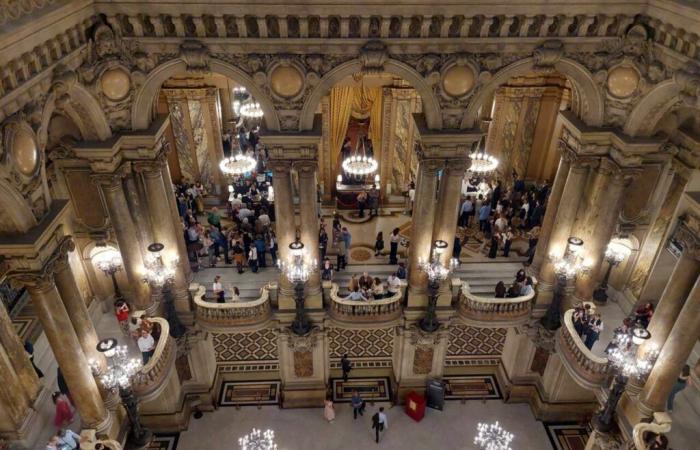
[(650, 110), (431, 105), (592, 96), (15, 214), (142, 107)]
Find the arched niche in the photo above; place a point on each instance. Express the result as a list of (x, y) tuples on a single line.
[(142, 108), (650, 110), (431, 106), (592, 107)]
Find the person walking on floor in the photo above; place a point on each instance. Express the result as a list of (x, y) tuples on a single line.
[(341, 255), (379, 244), (358, 405), (394, 240), (64, 412), (680, 384), (328, 410), (345, 366), (147, 346), (253, 259), (379, 423)]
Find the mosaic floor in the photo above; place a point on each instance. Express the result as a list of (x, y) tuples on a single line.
[(471, 387), (249, 393), (567, 436), (370, 389)]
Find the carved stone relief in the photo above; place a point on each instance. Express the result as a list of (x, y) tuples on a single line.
[(423, 360), (303, 363)]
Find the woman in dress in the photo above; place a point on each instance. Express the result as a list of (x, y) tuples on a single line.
[(64, 413), (379, 244), (328, 410)]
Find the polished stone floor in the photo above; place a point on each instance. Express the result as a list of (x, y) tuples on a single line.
[(306, 429)]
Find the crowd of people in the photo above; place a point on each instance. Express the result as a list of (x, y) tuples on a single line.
[(366, 287), (588, 324), (521, 286)]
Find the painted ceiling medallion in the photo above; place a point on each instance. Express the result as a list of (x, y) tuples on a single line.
[(458, 80), (286, 81), (623, 81), (115, 84)]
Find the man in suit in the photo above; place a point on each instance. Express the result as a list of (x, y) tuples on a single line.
[(379, 423)]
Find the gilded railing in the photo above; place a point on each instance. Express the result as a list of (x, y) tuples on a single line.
[(365, 311), (589, 370), (152, 374), (236, 313), (507, 311)]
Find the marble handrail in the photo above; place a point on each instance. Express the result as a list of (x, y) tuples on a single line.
[(237, 313), (589, 370), (660, 425), (152, 374), (384, 309), (511, 311)]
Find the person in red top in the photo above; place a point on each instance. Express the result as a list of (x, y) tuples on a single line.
[(64, 413), (121, 310)]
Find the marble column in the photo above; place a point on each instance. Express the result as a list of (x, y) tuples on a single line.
[(551, 212), (164, 230), (125, 233), (66, 348), (565, 217), (216, 146), (21, 371), (285, 226), (676, 291), (596, 221), (674, 353), (77, 310), (309, 227), (136, 199), (13, 400), (172, 202), (422, 230)]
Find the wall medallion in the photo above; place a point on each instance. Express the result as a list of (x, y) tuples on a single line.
[(623, 81), (458, 80), (115, 84), (286, 81)]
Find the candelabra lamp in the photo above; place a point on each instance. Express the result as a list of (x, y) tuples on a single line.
[(566, 269), (437, 272), (626, 360), (615, 253), (491, 436), (298, 269), (117, 376), (109, 261), (258, 440), (160, 275)]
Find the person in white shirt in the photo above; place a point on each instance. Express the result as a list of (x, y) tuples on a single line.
[(147, 346), (68, 439), (253, 258), (527, 287), (501, 223), (394, 284), (411, 198), (218, 289), (264, 219), (236, 202), (379, 423), (244, 213)]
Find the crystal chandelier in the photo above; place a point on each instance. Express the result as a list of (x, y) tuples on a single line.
[(120, 367), (158, 273), (571, 264), (258, 440), (626, 358), (616, 252), (108, 260), (492, 437), (297, 268), (481, 162), (240, 95), (251, 110), (360, 165), (434, 268), (238, 164)]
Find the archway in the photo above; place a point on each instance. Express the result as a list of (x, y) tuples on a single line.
[(431, 106), (590, 110), (142, 109), (651, 109)]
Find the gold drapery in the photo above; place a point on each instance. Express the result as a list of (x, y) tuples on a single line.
[(341, 101)]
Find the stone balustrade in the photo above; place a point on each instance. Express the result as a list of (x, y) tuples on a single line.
[(661, 425), (230, 314), (589, 370), (153, 374), (478, 310), (385, 309)]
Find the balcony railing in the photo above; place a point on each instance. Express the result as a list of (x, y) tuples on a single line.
[(589, 370), (384, 309), (151, 376), (237, 313), (497, 311)]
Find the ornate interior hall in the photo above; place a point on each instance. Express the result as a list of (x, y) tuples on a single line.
[(320, 224)]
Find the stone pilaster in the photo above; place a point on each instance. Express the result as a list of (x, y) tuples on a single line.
[(418, 356), (285, 226), (165, 230), (168, 181), (304, 368), (125, 234), (309, 227)]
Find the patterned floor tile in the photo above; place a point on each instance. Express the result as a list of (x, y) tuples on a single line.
[(249, 393), (471, 387), (567, 435), (370, 389)]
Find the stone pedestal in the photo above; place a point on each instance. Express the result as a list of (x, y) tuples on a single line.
[(418, 357), (304, 368)]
